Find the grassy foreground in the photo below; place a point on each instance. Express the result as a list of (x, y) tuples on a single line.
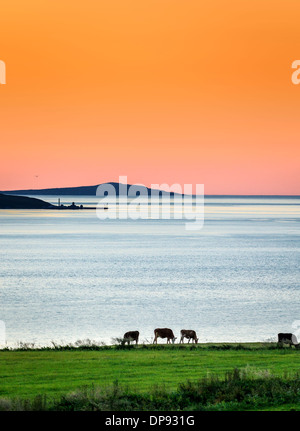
[(205, 377)]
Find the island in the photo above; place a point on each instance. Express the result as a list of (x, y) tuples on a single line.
[(22, 202), (9, 202), (89, 191)]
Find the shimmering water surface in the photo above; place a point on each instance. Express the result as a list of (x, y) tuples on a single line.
[(66, 275)]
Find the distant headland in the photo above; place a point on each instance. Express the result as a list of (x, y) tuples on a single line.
[(77, 191), (22, 202), (9, 202)]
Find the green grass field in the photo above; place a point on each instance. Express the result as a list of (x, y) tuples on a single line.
[(28, 373)]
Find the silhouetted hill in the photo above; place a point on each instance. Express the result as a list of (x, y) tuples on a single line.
[(72, 191), (22, 202)]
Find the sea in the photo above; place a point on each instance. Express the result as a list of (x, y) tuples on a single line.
[(72, 276)]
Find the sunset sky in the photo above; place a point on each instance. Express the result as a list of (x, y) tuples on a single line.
[(163, 91)]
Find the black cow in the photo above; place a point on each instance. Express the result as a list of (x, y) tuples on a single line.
[(164, 333), (131, 336), (189, 334), (288, 338)]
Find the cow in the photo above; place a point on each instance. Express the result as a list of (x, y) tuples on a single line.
[(131, 336), (288, 338), (189, 334), (164, 333)]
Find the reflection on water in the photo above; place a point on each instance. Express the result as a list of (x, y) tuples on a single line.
[(66, 275)]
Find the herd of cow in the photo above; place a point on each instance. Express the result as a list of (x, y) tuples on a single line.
[(163, 333), (189, 334)]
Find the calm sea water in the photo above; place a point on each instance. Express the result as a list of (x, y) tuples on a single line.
[(66, 275)]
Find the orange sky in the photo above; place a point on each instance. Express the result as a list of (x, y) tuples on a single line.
[(163, 91)]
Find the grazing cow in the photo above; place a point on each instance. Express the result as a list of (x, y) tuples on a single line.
[(131, 336), (287, 338), (164, 333), (189, 334)]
